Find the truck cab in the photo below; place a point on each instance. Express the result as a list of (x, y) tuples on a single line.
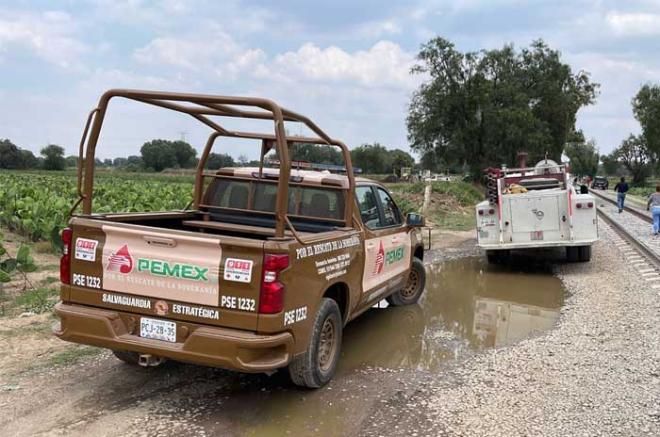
[(261, 272)]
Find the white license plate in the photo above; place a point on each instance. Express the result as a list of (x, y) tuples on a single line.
[(158, 329), (536, 235)]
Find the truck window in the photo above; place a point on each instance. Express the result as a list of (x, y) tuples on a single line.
[(230, 194), (368, 206), (391, 214), (321, 203), (303, 201)]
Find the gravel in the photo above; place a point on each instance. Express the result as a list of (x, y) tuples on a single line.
[(597, 373)]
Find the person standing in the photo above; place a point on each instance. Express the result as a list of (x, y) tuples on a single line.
[(654, 206), (621, 189)]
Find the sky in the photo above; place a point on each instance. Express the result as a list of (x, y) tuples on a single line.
[(345, 64)]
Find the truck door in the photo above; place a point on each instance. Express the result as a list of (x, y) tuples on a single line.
[(387, 243)]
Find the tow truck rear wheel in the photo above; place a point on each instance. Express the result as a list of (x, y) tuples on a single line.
[(412, 291), (318, 364), (584, 254), (498, 256)]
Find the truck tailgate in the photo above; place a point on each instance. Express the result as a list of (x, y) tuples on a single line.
[(169, 274)]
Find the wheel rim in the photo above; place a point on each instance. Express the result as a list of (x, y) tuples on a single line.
[(327, 344), (412, 285)]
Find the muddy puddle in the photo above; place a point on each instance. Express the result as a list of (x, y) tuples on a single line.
[(468, 306)]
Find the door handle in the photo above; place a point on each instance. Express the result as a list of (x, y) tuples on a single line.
[(159, 241)]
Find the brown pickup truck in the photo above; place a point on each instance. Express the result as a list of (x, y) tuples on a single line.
[(260, 272)]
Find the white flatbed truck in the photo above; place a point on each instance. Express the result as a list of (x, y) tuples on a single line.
[(532, 208)]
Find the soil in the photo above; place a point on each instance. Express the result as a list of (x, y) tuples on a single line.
[(594, 365)]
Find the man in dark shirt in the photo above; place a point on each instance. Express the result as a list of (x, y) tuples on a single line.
[(621, 189)]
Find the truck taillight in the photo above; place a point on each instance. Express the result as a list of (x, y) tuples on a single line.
[(271, 298), (584, 205), (65, 261)]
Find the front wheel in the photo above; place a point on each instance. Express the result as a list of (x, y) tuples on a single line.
[(317, 365), (412, 291)]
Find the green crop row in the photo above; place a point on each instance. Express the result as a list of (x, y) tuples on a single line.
[(37, 205)]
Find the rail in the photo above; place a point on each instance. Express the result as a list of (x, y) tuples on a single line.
[(635, 211), (651, 255)]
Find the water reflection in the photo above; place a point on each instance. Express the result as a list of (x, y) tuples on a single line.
[(468, 305)]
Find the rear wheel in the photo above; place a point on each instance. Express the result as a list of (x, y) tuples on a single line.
[(498, 256), (412, 291), (318, 364), (572, 254), (584, 253)]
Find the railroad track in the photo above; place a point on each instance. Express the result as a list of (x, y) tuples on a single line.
[(637, 212), (644, 258)]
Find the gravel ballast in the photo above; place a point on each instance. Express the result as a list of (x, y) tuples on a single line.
[(597, 373)]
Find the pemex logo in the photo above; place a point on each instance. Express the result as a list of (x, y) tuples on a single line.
[(380, 260), (121, 261)]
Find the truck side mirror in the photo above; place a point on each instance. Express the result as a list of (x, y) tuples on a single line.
[(414, 220)]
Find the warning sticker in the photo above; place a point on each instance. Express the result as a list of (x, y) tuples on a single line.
[(86, 249), (238, 270)]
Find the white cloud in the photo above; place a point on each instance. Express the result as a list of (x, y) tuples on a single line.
[(634, 23), (49, 35), (384, 64), (192, 52), (377, 29)]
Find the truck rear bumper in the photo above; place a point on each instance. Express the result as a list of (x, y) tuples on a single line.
[(218, 347), (535, 244)]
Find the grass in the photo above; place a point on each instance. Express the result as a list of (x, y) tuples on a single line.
[(39, 329), (36, 300), (452, 203), (73, 355)]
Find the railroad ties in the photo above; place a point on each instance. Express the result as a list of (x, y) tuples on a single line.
[(631, 233)]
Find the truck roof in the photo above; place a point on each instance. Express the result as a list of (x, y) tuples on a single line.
[(312, 177)]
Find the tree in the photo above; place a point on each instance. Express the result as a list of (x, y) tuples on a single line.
[(10, 155), (71, 161), (219, 160), (399, 159), (158, 155), (28, 160), (53, 157), (635, 157), (610, 164), (119, 162), (584, 157), (482, 108), (161, 154), (646, 107), (372, 158), (316, 154), (13, 157), (185, 154)]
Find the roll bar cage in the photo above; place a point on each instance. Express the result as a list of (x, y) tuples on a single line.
[(200, 107)]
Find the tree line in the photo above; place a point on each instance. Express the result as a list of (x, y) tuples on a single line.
[(160, 154)]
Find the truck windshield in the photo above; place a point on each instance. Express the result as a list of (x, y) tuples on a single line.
[(303, 201)]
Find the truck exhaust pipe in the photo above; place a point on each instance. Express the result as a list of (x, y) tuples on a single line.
[(148, 360)]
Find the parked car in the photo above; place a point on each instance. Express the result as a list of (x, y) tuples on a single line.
[(600, 183)]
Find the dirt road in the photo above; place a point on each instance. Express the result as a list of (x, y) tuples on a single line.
[(580, 360)]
